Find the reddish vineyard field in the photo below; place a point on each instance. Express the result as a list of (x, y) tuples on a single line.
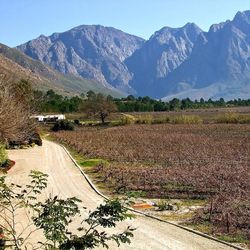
[(193, 161)]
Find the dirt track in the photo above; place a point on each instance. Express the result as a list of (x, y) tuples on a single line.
[(66, 180)]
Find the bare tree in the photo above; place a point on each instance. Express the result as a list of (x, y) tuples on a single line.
[(15, 110), (99, 105)]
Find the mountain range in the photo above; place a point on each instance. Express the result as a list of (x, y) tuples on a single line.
[(173, 62)]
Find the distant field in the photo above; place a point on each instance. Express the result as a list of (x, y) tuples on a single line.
[(209, 161), (208, 115)]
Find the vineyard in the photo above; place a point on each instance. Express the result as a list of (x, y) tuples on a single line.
[(209, 162)]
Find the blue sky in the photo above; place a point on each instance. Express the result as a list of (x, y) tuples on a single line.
[(23, 20)]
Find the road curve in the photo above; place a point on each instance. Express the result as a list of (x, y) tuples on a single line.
[(66, 180)]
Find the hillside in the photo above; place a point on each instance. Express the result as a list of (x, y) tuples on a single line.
[(17, 65)]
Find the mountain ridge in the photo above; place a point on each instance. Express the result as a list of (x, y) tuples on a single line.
[(221, 58), (90, 51), (172, 62)]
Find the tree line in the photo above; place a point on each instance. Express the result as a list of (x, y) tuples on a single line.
[(53, 102)]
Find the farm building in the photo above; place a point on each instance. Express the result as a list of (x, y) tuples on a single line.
[(48, 118)]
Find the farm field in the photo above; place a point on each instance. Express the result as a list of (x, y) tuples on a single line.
[(207, 162), (208, 115)]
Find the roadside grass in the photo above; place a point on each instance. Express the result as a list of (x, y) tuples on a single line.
[(91, 162), (207, 228), (204, 227), (235, 238), (193, 202), (176, 217)]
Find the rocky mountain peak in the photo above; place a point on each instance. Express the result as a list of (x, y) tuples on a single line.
[(91, 51)]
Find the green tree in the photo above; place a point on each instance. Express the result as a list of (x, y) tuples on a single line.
[(175, 104), (130, 98), (91, 95), (13, 200)]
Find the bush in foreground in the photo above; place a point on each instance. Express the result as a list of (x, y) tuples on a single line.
[(54, 217)]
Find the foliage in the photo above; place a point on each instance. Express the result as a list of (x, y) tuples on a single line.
[(52, 102), (54, 217), (106, 215), (164, 205), (63, 125), (13, 200), (147, 104), (77, 122), (3, 155), (98, 105)]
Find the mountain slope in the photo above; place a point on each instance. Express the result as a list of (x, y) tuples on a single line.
[(165, 51), (17, 65), (90, 51), (219, 65)]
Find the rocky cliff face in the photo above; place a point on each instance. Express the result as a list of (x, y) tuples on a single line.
[(93, 52), (165, 51), (220, 58)]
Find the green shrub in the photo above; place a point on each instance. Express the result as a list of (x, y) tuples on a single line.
[(36, 139), (3, 155), (187, 119), (77, 122), (164, 206), (63, 125)]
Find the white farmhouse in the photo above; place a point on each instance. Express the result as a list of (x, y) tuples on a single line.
[(48, 118)]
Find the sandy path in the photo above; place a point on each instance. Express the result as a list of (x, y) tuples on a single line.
[(66, 180)]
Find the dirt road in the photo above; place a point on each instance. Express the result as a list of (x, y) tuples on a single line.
[(67, 181)]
